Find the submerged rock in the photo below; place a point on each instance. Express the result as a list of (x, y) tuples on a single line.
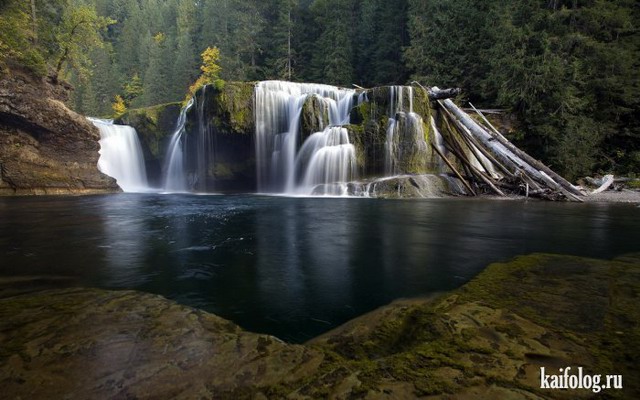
[(488, 339), (408, 186), (45, 148)]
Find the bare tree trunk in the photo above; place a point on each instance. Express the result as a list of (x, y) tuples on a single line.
[(504, 155), (34, 22), (289, 45)]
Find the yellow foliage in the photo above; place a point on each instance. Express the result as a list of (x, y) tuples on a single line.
[(118, 106), (210, 68), (210, 71), (159, 37)]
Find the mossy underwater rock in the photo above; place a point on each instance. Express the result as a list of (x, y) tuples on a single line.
[(488, 339), (408, 186)]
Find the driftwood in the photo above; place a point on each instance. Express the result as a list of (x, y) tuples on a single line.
[(440, 94), (504, 155), (537, 164), (435, 93), (607, 181), (488, 159), (446, 160)]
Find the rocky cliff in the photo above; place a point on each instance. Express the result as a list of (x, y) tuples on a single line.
[(45, 148)]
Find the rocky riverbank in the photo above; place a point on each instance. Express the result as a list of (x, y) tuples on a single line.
[(487, 339), (45, 148)]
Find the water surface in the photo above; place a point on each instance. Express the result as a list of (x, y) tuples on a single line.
[(292, 267)]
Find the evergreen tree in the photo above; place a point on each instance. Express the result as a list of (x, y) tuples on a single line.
[(333, 60), (156, 77)]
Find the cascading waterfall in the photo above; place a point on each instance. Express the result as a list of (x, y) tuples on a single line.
[(175, 178), (278, 107), (396, 110), (121, 155), (181, 172), (326, 162)]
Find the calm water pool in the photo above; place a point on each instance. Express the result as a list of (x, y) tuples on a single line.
[(292, 267)]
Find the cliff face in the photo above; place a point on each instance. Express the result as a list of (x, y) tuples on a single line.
[(45, 148)]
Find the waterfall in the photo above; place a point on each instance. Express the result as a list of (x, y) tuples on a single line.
[(190, 154), (396, 110), (326, 162), (175, 179), (121, 155), (278, 107), (390, 149)]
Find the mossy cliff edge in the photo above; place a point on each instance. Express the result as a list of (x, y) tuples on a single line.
[(487, 339)]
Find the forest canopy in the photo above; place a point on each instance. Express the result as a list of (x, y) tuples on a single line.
[(567, 69)]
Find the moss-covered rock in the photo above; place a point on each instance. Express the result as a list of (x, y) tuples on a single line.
[(408, 187), (226, 110), (314, 117), (488, 339), (229, 107)]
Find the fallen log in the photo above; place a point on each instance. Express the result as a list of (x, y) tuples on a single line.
[(526, 157), (436, 93), (444, 158), (504, 155), (607, 181)]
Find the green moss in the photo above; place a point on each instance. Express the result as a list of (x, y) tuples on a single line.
[(634, 184), (230, 107)]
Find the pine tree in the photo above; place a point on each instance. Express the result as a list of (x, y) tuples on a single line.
[(333, 61), (156, 89)]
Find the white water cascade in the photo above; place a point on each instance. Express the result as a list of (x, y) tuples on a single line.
[(280, 166), (175, 177), (121, 155), (397, 107), (326, 162), (190, 154)]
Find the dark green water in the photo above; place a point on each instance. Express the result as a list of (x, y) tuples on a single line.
[(292, 267)]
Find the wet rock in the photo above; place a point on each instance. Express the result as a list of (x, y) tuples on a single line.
[(488, 339), (87, 343), (314, 117), (408, 186)]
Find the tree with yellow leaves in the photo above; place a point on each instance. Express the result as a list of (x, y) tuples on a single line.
[(118, 106), (210, 71)]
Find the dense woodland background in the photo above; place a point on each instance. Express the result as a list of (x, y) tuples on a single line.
[(567, 69)]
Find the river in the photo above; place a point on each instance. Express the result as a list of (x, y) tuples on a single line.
[(291, 267)]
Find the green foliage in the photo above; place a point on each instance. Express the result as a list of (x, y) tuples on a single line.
[(133, 89), (568, 69), (76, 35), (17, 37)]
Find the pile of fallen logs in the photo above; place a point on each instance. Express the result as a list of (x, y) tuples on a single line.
[(485, 161)]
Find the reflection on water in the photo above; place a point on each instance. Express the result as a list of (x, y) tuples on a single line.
[(293, 267)]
